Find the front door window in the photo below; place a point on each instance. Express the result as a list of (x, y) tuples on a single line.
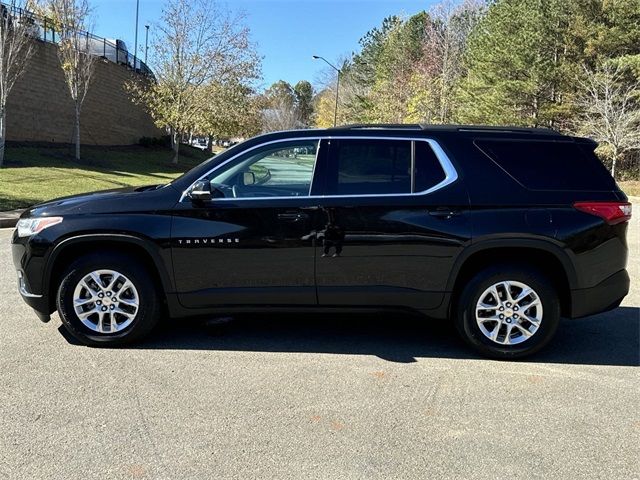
[(284, 169)]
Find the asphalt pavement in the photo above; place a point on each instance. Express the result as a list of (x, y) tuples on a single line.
[(317, 397)]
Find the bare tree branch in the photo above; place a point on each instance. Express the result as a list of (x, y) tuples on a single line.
[(16, 48), (610, 106), (71, 20), (281, 115)]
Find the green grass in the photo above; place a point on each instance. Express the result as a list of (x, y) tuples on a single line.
[(33, 174)]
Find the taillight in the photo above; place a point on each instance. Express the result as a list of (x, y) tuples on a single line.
[(612, 212)]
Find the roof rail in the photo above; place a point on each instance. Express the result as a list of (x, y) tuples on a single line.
[(373, 126), (486, 128), (445, 127)]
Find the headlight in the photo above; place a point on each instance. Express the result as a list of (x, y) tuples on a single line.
[(30, 226)]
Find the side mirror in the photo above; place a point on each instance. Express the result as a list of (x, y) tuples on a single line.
[(248, 178), (201, 191)]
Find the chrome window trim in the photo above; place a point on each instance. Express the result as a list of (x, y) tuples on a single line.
[(451, 175), (313, 171)]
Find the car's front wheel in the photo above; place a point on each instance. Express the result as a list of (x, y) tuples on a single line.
[(508, 311), (107, 299)]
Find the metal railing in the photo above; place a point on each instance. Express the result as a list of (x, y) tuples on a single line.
[(44, 29)]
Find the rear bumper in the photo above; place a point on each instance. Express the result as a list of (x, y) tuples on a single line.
[(607, 295)]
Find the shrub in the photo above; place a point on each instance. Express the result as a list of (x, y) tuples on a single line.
[(155, 142)]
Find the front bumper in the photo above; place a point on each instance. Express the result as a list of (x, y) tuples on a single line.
[(29, 274), (37, 302), (605, 296)]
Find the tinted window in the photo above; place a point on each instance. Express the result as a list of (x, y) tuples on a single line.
[(428, 172), (544, 165), (372, 166)]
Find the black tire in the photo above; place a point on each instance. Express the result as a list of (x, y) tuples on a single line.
[(146, 317), (465, 311)]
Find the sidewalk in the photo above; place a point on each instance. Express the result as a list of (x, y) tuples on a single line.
[(9, 218)]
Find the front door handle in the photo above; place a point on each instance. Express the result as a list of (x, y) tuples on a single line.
[(445, 213), (292, 216)]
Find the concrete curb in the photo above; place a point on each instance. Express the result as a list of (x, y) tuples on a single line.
[(10, 218)]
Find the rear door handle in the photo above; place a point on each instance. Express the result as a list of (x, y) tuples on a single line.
[(292, 216), (445, 213)]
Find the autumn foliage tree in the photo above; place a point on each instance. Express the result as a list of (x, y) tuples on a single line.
[(229, 109), (539, 63), (201, 52)]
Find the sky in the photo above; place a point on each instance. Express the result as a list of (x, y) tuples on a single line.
[(287, 32)]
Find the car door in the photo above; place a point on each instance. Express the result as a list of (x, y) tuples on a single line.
[(253, 242), (395, 219)]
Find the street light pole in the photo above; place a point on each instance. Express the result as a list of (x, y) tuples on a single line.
[(135, 46), (338, 71), (146, 44), (335, 111)]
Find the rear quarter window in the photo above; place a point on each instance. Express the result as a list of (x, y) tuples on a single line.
[(549, 165), (428, 171)]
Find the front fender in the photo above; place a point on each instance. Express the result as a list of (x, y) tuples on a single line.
[(160, 257)]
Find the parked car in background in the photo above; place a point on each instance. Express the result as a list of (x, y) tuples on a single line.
[(200, 143), (501, 231)]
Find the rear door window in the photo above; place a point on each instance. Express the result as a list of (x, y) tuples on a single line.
[(381, 167), (549, 165)]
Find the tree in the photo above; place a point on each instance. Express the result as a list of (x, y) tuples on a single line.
[(359, 74), (397, 62), (440, 67), (71, 21), (324, 107), (303, 92), (230, 110), (281, 92), (611, 29), (517, 64), (16, 48), (280, 112), (610, 105), (408, 69), (196, 45)]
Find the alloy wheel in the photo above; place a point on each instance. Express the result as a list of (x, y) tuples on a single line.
[(106, 301), (509, 312)]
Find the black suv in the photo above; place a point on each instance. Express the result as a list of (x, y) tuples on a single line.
[(501, 230)]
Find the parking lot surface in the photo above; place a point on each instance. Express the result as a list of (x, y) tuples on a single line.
[(317, 397)]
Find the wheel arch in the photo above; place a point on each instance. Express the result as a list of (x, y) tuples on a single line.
[(73, 247), (544, 255)]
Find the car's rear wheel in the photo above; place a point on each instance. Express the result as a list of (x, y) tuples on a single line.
[(508, 312), (108, 299)]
